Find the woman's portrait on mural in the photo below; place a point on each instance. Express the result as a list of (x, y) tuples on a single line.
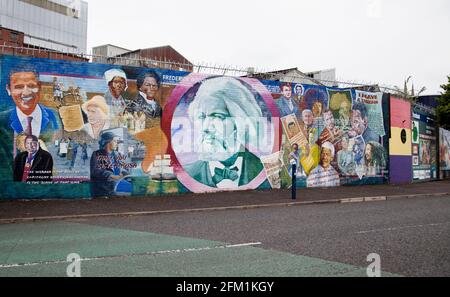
[(97, 112), (117, 85), (107, 167), (316, 100)]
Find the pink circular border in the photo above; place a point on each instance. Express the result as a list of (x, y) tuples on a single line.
[(184, 86)]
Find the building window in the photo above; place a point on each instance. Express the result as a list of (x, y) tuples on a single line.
[(14, 37), (56, 7)]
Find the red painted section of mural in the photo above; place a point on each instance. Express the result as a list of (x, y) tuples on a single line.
[(400, 113)]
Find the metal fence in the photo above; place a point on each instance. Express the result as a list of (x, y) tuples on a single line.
[(202, 67)]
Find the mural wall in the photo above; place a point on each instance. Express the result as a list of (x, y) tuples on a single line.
[(444, 153), (424, 152), (400, 141), (72, 130), (336, 136)]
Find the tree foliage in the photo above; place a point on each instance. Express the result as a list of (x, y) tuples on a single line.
[(443, 109)]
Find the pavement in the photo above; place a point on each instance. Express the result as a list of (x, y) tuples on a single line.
[(43, 249), (245, 234), (42, 210), (409, 237)]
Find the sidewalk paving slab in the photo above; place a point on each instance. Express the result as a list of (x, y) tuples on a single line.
[(60, 209)]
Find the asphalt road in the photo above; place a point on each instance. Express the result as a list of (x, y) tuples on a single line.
[(412, 237)]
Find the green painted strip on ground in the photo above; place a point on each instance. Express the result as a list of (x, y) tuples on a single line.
[(50, 241), (42, 242)]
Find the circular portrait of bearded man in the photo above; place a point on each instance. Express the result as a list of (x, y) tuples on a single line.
[(226, 122)]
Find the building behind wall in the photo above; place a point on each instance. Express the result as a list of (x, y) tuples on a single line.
[(57, 25), (100, 54), (294, 75), (163, 57), (12, 43)]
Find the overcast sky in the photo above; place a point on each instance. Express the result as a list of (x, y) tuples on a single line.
[(378, 41)]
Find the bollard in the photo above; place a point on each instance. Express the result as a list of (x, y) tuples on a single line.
[(294, 180)]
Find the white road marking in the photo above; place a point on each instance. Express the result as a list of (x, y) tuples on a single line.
[(403, 227), (133, 255), (243, 244)]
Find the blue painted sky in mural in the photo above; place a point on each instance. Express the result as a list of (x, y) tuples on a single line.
[(86, 84)]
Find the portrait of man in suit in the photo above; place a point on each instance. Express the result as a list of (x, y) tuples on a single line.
[(287, 104), (33, 165), (226, 114), (148, 84), (28, 116)]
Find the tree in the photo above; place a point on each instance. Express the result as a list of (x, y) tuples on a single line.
[(411, 95), (443, 109)]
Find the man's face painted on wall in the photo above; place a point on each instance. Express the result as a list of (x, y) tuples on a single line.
[(31, 146), (308, 118), (329, 120), (359, 124), (24, 88), (326, 157), (217, 139), (117, 86), (287, 92)]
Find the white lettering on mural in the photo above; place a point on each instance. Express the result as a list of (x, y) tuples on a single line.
[(373, 102)]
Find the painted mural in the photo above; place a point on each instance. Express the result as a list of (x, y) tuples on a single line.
[(74, 130), (80, 130), (424, 151), (335, 136), (220, 128), (400, 143), (444, 153)]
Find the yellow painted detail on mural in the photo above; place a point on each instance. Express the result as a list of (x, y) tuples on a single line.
[(336, 100), (71, 117), (312, 160), (396, 146)]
